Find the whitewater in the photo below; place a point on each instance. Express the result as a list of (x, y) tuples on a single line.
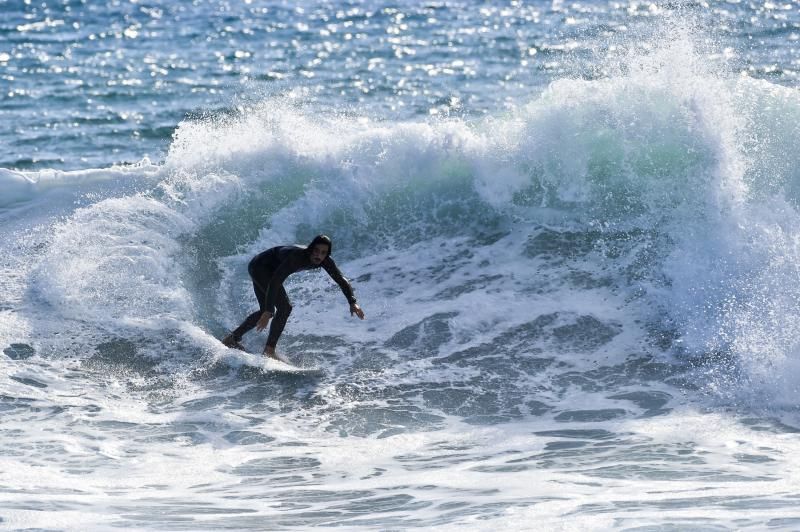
[(581, 286)]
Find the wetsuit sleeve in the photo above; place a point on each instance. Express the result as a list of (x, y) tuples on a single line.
[(286, 268), (337, 276)]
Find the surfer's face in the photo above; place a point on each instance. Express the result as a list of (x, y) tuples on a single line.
[(318, 253)]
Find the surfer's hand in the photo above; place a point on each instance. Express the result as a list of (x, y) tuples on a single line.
[(355, 309), (263, 321)]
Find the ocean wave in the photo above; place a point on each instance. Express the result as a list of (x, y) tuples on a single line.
[(19, 187), (676, 184)]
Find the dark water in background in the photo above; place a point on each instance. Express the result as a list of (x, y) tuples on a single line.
[(88, 84), (573, 228)]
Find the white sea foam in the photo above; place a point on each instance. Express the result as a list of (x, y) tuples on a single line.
[(641, 151), (20, 187)]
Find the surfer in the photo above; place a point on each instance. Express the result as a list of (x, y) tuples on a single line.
[(269, 270)]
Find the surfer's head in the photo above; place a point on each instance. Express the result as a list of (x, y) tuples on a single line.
[(319, 249)]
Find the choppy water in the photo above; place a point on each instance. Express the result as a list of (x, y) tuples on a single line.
[(573, 228)]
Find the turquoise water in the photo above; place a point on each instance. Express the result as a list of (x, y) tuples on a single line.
[(573, 229)]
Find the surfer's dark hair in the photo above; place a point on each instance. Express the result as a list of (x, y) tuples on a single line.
[(321, 239)]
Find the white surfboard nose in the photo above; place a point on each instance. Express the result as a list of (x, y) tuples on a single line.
[(284, 359)]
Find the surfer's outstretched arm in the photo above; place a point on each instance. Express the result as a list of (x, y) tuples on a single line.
[(330, 267)]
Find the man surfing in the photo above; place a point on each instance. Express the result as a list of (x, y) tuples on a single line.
[(269, 270)]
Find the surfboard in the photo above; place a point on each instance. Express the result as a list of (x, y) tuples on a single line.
[(270, 365)]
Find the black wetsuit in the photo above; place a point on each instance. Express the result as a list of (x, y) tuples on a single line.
[(268, 270)]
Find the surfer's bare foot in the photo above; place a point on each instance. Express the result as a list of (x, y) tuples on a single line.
[(232, 342), (270, 352)]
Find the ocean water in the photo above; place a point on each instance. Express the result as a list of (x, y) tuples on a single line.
[(574, 229)]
